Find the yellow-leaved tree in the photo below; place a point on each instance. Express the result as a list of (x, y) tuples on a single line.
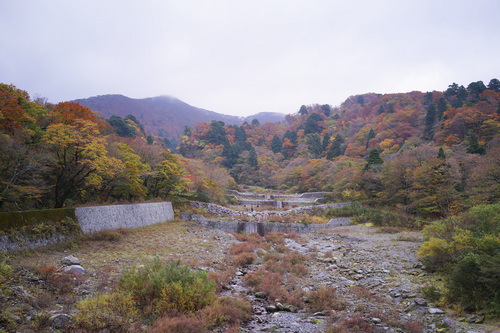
[(168, 178), (79, 158)]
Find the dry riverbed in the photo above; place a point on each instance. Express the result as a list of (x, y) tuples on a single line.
[(376, 275)]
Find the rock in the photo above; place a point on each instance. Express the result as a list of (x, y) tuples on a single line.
[(271, 308), (320, 314), (474, 319), (410, 307), (75, 269), (60, 321), (420, 301), (258, 310), (70, 260), (15, 318), (333, 267), (239, 273), (377, 320), (261, 294), (280, 306), (291, 308), (435, 311), (448, 322)]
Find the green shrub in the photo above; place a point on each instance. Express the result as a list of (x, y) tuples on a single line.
[(475, 283), (486, 219), (466, 248), (157, 287), (114, 312), (5, 272), (431, 292), (183, 296), (379, 217)]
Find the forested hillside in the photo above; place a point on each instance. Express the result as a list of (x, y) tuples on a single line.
[(416, 160), (430, 154), (64, 154), (164, 116)]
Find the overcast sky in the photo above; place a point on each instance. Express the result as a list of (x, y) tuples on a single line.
[(243, 57)]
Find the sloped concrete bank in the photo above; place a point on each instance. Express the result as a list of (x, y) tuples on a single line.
[(97, 218)]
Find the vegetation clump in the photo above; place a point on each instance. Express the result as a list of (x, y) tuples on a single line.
[(158, 288), (466, 248)]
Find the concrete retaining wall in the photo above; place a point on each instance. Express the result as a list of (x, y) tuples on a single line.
[(123, 216), (98, 218)]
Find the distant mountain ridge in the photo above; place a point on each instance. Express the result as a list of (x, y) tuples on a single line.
[(165, 116)]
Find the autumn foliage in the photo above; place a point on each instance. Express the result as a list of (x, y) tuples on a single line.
[(59, 155)]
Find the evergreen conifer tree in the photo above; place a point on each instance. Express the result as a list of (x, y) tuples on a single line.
[(373, 159), (276, 144)]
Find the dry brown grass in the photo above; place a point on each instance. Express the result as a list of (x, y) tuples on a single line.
[(352, 323), (46, 271), (413, 326), (325, 298), (244, 259)]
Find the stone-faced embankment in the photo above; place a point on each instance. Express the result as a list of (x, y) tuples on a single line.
[(97, 218)]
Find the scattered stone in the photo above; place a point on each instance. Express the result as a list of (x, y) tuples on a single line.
[(258, 310), (377, 320), (448, 322), (261, 294), (320, 314), (75, 269), (271, 308), (435, 311), (410, 307), (474, 319), (15, 318), (60, 321), (70, 260), (420, 301), (291, 308)]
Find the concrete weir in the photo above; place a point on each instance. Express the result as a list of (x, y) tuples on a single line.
[(276, 200), (263, 228)]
